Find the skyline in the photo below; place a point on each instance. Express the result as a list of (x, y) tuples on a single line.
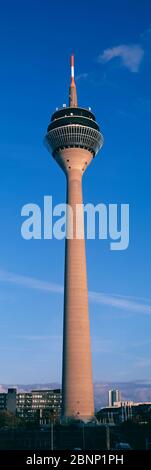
[(130, 391), (112, 73)]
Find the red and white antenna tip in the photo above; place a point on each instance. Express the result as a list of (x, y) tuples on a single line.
[(72, 60), (72, 67), (72, 91)]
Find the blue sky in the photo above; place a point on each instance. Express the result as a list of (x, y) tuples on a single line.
[(111, 41)]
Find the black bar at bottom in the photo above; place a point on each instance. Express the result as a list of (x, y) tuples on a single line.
[(62, 459)]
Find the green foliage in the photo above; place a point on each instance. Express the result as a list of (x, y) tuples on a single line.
[(8, 420)]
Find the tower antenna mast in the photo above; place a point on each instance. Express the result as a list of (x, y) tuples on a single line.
[(73, 102)]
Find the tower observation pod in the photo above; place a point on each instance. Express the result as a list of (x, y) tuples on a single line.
[(74, 138)]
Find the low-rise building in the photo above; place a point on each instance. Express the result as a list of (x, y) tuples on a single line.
[(3, 397), (41, 405)]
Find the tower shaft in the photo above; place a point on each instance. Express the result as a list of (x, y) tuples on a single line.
[(77, 369)]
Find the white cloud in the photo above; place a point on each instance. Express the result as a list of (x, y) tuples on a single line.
[(30, 282), (142, 362), (146, 33), (81, 76), (131, 56), (40, 337), (121, 302), (102, 346), (133, 305)]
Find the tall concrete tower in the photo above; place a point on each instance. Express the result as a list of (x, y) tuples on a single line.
[(73, 137)]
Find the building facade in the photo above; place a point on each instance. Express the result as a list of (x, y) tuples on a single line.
[(3, 401), (114, 397), (42, 405), (125, 411), (8, 401)]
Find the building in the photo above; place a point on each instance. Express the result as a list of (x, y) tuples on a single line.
[(24, 405), (8, 401), (11, 400), (3, 402), (125, 411), (114, 396), (48, 403), (42, 405), (74, 138)]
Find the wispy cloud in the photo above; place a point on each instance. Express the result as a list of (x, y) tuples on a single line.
[(131, 56), (100, 345), (129, 304), (142, 362), (121, 302), (30, 282), (40, 337), (81, 76), (146, 33), (140, 343)]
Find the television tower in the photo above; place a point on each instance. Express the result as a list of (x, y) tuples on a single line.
[(73, 137)]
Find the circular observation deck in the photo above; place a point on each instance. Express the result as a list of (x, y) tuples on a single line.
[(74, 127)]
